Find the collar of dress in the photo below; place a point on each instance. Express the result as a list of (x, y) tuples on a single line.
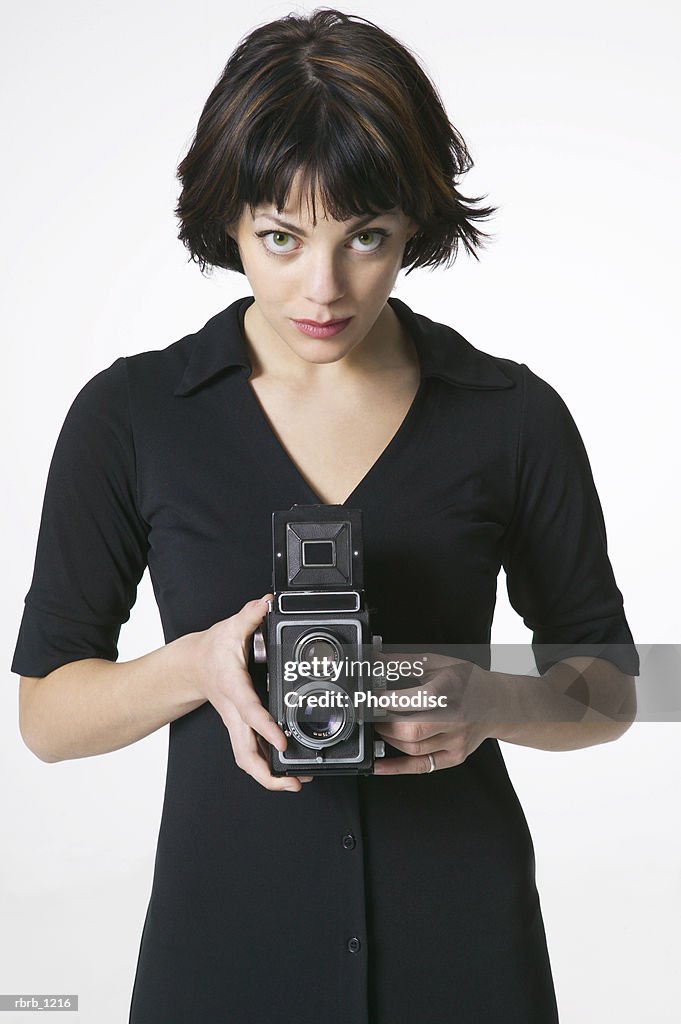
[(442, 351)]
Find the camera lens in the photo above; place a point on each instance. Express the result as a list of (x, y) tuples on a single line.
[(320, 723), (320, 647), (315, 725)]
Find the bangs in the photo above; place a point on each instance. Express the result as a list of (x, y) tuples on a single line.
[(350, 170)]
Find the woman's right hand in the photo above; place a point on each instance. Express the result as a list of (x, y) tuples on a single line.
[(225, 682)]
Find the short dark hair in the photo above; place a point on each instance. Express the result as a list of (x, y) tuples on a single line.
[(333, 96)]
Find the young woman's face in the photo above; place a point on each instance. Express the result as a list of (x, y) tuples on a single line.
[(336, 270)]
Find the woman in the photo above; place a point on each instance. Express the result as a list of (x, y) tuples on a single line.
[(323, 163)]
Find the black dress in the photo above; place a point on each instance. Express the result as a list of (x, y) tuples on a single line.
[(370, 900)]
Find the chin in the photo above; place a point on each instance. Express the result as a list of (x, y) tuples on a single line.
[(321, 356)]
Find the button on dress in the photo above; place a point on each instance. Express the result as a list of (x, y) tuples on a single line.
[(359, 900)]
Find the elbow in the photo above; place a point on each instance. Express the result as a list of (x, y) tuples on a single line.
[(629, 706), (626, 713), (618, 731), (35, 746), (44, 757), (27, 699)]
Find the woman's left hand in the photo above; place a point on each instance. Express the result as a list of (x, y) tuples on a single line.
[(448, 734)]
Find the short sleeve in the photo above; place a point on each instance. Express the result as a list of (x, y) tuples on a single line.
[(559, 576), (92, 542)]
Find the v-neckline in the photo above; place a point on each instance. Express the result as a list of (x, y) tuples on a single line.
[(271, 441)]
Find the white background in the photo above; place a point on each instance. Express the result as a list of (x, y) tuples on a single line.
[(570, 114)]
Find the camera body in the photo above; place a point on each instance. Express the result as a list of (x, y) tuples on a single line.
[(316, 638)]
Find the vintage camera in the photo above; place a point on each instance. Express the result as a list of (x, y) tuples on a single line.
[(317, 643)]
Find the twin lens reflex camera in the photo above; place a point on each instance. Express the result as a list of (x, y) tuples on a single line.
[(317, 644)]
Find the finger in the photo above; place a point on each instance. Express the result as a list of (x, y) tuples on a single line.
[(413, 765), (406, 665), (437, 701), (252, 613), (435, 683), (428, 745), (264, 749), (424, 661), (434, 661), (250, 712), (258, 718), (249, 758), (246, 621), (243, 697), (407, 731)]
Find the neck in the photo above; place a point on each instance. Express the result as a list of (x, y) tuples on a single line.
[(387, 347)]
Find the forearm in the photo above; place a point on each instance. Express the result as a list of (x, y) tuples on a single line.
[(95, 706), (579, 702)]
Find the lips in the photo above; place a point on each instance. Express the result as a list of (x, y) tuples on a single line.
[(323, 323), (325, 329)]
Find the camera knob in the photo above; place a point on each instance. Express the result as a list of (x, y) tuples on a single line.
[(259, 647), (379, 748)]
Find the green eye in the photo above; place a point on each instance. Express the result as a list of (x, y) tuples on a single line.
[(273, 240), (369, 241)]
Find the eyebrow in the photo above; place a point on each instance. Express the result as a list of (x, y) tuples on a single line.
[(299, 231)]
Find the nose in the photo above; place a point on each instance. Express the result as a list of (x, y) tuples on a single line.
[(324, 282)]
